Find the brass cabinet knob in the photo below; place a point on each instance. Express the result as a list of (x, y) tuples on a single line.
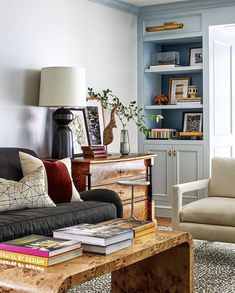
[(174, 153), (169, 153)]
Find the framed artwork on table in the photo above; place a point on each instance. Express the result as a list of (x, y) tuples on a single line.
[(79, 130), (178, 88), (196, 57), (192, 122), (95, 121)]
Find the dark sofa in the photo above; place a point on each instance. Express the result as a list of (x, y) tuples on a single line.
[(98, 205)]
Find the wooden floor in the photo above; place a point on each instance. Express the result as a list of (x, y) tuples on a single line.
[(164, 221)]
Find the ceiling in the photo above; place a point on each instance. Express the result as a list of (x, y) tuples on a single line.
[(150, 2)]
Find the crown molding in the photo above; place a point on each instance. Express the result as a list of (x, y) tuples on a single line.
[(119, 5), (183, 6)]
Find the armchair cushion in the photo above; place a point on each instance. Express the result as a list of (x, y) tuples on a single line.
[(223, 177), (210, 210)]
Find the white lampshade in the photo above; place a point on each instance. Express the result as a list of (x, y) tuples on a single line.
[(62, 87)]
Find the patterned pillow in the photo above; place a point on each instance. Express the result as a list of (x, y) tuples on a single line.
[(29, 192), (59, 182)]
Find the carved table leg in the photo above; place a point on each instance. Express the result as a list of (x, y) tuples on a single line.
[(169, 271)]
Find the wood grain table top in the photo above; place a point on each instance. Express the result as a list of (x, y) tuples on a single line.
[(87, 266)]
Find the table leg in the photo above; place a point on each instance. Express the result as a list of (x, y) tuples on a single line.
[(169, 271)]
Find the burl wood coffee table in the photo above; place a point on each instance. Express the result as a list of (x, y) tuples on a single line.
[(161, 263)]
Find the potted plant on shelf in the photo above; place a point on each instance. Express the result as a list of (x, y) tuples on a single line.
[(131, 112)]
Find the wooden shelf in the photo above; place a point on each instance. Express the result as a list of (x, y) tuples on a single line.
[(172, 107), (176, 70), (173, 141)]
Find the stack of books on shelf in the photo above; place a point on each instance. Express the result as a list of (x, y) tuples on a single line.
[(39, 250), (140, 228), (94, 151), (189, 101), (98, 238), (191, 135), (161, 133)]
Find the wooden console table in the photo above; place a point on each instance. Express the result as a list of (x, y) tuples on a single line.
[(161, 263), (105, 172)]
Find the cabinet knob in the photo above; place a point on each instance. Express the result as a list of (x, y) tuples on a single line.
[(169, 153), (174, 153), (121, 171)]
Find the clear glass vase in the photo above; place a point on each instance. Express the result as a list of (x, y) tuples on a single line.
[(124, 142)]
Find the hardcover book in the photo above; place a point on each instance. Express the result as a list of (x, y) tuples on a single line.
[(38, 245), (95, 234)]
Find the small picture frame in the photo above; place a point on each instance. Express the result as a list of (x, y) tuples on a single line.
[(95, 121), (178, 88), (196, 57), (80, 131), (192, 122)]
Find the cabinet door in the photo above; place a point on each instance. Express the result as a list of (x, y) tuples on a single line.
[(187, 167), (162, 178)]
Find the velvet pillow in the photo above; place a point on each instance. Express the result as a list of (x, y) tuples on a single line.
[(59, 181), (29, 192)]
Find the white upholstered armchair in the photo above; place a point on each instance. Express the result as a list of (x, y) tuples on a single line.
[(211, 218)]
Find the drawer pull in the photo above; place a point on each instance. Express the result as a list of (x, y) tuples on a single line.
[(121, 192), (121, 171)]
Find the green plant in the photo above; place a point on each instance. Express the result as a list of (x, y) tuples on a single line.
[(156, 118), (124, 113)]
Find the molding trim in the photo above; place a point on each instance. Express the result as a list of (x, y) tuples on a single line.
[(119, 5), (183, 6)]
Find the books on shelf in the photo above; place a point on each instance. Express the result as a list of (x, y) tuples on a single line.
[(140, 228), (161, 133), (191, 135), (94, 234), (38, 260), (188, 101), (39, 250), (106, 249), (164, 66)]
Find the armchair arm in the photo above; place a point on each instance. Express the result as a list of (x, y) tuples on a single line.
[(104, 195), (178, 191)]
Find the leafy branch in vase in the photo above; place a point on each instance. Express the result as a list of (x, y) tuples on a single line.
[(131, 112)]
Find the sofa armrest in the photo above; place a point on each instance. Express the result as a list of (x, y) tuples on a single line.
[(178, 191), (104, 195)]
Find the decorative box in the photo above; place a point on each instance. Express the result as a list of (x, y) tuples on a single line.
[(165, 58)]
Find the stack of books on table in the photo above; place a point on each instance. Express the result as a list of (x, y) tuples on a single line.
[(140, 228), (189, 101), (39, 250), (161, 133), (95, 151), (98, 238)]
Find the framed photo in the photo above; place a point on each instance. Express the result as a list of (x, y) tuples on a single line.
[(95, 121), (178, 88), (196, 56), (192, 122), (79, 130)]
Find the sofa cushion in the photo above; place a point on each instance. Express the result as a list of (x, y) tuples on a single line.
[(222, 181), (29, 192), (211, 210), (42, 221), (58, 179)]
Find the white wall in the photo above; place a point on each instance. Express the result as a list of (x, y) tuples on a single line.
[(40, 33)]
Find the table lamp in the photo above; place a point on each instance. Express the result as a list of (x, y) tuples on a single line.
[(62, 87)]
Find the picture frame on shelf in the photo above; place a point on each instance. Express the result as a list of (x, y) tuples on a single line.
[(192, 122), (95, 121), (178, 88), (196, 57), (79, 130)]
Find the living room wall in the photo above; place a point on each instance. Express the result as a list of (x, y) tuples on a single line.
[(40, 33)]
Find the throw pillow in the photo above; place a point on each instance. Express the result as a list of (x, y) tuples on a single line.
[(29, 192), (59, 183)]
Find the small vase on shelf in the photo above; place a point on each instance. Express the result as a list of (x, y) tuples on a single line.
[(124, 142)]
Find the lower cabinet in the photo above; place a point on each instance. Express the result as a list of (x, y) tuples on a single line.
[(174, 164)]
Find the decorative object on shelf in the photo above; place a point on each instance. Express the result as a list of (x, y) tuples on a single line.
[(192, 91), (79, 130), (192, 122), (95, 121), (165, 26), (124, 142), (156, 118), (95, 151), (165, 58), (161, 99), (178, 88), (196, 57), (62, 87), (108, 131)]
